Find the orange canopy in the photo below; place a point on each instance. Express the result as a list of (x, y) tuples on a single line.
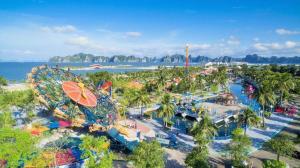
[(106, 85), (78, 93)]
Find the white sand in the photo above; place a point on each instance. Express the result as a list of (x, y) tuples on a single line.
[(16, 87), (117, 67)]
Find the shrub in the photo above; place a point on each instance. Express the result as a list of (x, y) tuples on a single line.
[(239, 147), (148, 115), (16, 146), (3, 81), (267, 114), (274, 164), (282, 145), (148, 155)]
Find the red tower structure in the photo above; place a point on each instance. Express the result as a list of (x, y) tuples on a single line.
[(187, 59), (186, 56)]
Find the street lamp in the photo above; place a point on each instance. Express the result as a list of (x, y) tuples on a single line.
[(261, 112), (271, 108)]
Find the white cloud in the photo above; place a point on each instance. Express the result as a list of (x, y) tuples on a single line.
[(260, 47), (133, 34), (287, 48), (283, 31), (200, 46), (214, 49), (256, 39), (17, 51), (83, 43), (105, 46), (28, 52), (78, 41), (41, 45), (274, 46), (118, 35), (174, 33), (60, 29), (290, 44), (233, 41)]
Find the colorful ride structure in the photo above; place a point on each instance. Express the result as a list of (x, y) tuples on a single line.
[(76, 103), (105, 86), (72, 99)]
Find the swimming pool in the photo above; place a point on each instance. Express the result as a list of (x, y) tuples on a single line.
[(236, 89), (224, 129)]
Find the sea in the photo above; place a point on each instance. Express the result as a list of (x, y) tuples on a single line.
[(16, 72)]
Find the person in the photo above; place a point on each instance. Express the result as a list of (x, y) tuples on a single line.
[(139, 134)]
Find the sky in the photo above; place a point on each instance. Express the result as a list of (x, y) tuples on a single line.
[(34, 30)]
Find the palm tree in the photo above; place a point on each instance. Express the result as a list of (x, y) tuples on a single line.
[(6, 119), (3, 82), (141, 99), (187, 83), (265, 95), (205, 127), (222, 76), (122, 107), (200, 82), (249, 118), (203, 133), (282, 145), (162, 73), (285, 84), (166, 109), (209, 79)]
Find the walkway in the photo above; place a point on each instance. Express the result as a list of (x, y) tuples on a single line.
[(217, 149), (293, 130), (258, 136)]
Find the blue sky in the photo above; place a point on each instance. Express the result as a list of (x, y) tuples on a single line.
[(39, 29)]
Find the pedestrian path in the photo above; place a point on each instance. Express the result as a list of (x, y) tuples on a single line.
[(258, 135)]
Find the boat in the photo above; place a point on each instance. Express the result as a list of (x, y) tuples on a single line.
[(96, 66)]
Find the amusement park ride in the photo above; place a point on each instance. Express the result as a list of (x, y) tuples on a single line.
[(186, 59), (72, 99), (76, 103), (79, 94)]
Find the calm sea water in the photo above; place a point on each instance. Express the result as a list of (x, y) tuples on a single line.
[(17, 71)]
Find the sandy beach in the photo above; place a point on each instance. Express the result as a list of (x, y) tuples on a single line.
[(16, 87), (115, 67)]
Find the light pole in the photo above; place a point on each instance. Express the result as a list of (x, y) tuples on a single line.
[(261, 112), (271, 106)]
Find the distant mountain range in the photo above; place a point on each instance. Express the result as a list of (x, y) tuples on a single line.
[(176, 58)]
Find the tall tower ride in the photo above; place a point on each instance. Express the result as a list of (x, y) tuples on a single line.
[(186, 58)]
